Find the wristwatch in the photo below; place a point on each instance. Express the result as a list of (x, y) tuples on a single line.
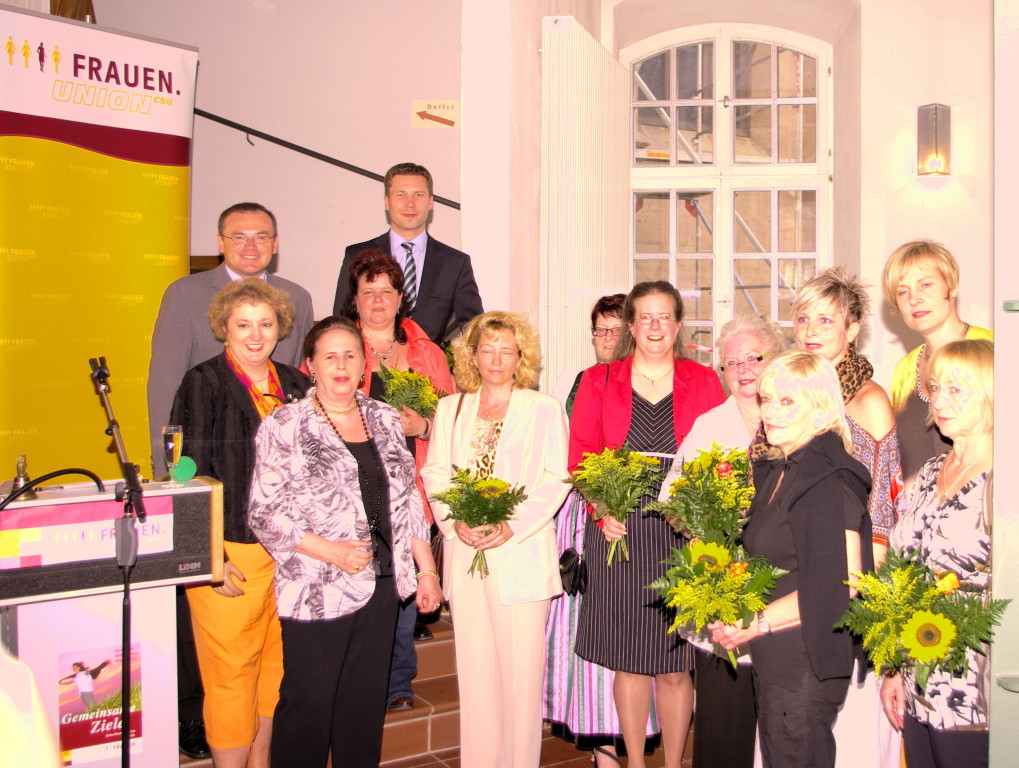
[(762, 624)]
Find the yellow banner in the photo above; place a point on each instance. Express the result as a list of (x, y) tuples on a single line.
[(94, 201)]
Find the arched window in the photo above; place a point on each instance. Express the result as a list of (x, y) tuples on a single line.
[(730, 186)]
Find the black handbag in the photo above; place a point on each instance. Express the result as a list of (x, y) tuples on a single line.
[(573, 571)]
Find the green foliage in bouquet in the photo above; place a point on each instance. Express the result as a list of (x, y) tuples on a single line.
[(475, 501), (908, 615), (710, 498), (410, 389), (613, 482), (707, 581)]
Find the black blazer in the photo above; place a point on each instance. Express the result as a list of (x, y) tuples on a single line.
[(447, 286), (823, 487), (220, 423)]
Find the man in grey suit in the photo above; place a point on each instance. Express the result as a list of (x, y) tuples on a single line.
[(439, 279), (181, 339)]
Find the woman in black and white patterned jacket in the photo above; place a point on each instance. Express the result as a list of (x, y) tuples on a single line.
[(334, 502)]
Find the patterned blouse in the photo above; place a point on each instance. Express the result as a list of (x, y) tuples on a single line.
[(881, 457), (951, 535), (306, 480), (484, 441)]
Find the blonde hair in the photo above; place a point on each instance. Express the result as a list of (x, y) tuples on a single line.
[(969, 362), (919, 253), (817, 384), (492, 324), (835, 284), (251, 290), (753, 325)]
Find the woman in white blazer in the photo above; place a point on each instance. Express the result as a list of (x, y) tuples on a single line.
[(501, 428)]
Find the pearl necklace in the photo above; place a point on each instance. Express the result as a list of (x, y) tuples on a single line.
[(372, 511)]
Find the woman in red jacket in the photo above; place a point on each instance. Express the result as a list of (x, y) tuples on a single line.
[(648, 399)]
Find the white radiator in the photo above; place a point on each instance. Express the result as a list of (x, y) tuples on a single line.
[(584, 191)]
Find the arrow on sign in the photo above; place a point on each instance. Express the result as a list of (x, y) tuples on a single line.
[(436, 118)]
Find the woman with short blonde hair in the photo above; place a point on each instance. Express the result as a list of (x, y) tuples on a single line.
[(828, 315), (921, 280), (948, 525), (809, 517)]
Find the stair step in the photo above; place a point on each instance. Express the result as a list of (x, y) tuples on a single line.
[(432, 725), (436, 658)]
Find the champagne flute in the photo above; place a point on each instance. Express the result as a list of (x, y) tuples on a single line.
[(173, 444)]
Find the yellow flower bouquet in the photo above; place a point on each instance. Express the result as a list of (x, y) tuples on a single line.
[(710, 497), (708, 581), (475, 501), (909, 615), (411, 389), (613, 482)]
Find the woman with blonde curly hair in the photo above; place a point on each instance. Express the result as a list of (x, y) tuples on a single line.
[(221, 404), (499, 427)]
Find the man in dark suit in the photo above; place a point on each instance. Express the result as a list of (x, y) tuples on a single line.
[(439, 280), (181, 339)]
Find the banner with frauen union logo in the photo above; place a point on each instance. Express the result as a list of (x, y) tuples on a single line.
[(95, 150)]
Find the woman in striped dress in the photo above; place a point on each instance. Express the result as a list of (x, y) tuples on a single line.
[(578, 694), (648, 399)]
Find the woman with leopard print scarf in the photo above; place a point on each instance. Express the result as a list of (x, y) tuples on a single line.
[(828, 313)]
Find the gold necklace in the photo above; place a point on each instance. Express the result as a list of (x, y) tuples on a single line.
[(493, 409), (652, 381), (331, 411)]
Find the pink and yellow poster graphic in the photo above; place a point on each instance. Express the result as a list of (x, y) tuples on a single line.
[(76, 533), (95, 148), (90, 685)]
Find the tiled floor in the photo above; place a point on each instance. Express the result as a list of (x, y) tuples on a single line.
[(555, 753), (433, 723)]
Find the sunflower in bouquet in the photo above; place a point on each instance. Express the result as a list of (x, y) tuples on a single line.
[(612, 482), (908, 615), (709, 499), (707, 581), (475, 500)]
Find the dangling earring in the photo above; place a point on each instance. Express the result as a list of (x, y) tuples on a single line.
[(361, 383), (312, 377)]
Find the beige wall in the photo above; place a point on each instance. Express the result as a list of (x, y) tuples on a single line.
[(323, 79), (323, 75), (916, 52)]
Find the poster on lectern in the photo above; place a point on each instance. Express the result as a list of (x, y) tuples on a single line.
[(90, 703), (95, 153)]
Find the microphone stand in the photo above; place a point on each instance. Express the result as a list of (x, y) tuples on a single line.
[(130, 492)]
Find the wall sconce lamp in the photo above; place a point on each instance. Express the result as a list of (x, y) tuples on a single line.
[(934, 140)]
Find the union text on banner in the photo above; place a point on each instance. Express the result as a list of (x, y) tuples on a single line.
[(95, 147)]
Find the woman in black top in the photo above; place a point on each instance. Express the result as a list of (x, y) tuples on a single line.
[(808, 517), (221, 404)]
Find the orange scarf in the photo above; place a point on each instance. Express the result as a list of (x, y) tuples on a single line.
[(265, 402)]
